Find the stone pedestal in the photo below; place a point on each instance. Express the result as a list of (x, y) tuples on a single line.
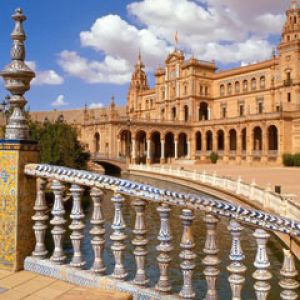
[(16, 203)]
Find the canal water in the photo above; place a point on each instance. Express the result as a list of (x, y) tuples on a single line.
[(275, 246)]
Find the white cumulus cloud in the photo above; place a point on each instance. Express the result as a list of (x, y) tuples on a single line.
[(228, 31), (46, 77), (96, 105), (110, 70), (60, 101)]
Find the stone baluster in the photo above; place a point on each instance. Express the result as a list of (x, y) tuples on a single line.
[(58, 222), (211, 259), (236, 268), (164, 248), (140, 241), (261, 275), (97, 232), (288, 282), (187, 255), (77, 226), (118, 237), (40, 220)]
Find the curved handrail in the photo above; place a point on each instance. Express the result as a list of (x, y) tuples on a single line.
[(150, 193)]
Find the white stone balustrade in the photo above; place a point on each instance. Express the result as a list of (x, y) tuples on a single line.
[(64, 180)]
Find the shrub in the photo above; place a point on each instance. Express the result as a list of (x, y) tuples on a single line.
[(297, 160), (214, 157), (288, 160)]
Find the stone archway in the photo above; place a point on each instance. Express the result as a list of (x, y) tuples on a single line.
[(244, 140), (169, 145), (257, 139), (182, 145), (141, 147), (126, 144), (97, 142), (221, 138), (273, 138), (232, 140), (198, 137), (203, 111), (209, 140), (155, 149)]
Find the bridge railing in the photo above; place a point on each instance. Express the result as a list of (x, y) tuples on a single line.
[(283, 205), (61, 178)]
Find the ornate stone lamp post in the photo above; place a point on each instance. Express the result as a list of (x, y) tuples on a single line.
[(17, 191), (17, 76)]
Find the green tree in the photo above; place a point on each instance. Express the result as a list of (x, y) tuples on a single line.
[(59, 144)]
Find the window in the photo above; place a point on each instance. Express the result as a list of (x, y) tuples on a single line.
[(224, 112), (206, 91), (222, 90), (262, 82), (289, 97), (237, 87), (242, 110), (201, 90), (278, 108), (185, 89), (229, 88), (253, 84), (173, 113), (260, 107), (245, 85)]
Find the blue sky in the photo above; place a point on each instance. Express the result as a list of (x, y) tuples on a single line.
[(88, 48)]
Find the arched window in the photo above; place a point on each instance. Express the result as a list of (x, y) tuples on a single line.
[(97, 142), (262, 82), (257, 139), (198, 141), (245, 85), (232, 140), (273, 138), (237, 87), (186, 113), (253, 84), (222, 90), (229, 89), (203, 111), (173, 113), (220, 134), (209, 141)]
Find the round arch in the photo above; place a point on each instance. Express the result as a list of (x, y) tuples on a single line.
[(182, 145), (169, 145), (97, 142), (155, 147), (273, 138)]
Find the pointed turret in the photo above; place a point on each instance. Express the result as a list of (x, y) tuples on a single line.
[(139, 77)]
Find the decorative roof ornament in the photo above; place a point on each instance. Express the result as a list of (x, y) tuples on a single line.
[(17, 76), (294, 4)]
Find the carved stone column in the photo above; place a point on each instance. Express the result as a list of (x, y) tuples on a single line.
[(176, 148), (118, 237), (288, 283), (140, 241), (236, 268), (40, 218), (187, 255), (164, 248), (98, 231), (261, 275), (77, 226), (58, 222), (148, 151), (211, 259), (162, 158)]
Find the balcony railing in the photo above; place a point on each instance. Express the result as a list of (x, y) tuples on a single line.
[(61, 179)]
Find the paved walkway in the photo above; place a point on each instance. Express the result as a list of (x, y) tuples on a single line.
[(287, 178), (30, 286)]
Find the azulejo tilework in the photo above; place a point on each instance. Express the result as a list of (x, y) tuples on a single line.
[(8, 207)]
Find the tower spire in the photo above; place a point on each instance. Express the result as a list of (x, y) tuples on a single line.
[(294, 4)]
